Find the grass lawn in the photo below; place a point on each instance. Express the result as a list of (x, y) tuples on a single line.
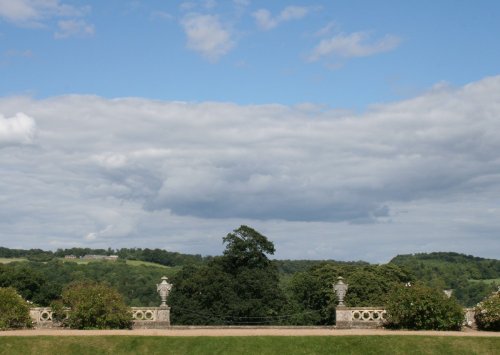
[(401, 344)]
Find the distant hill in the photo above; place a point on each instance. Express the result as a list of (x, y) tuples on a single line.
[(449, 265), (471, 277), (158, 256)]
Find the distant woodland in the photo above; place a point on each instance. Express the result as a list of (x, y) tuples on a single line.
[(243, 285)]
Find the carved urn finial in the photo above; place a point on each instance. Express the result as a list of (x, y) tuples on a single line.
[(340, 289), (163, 289)]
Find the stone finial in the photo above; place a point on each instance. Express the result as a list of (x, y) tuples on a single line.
[(163, 290), (340, 289)]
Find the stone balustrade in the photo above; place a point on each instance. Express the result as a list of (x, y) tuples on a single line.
[(150, 317), (374, 317), (360, 317), (142, 317), (41, 316)]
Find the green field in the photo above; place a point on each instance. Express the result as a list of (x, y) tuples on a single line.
[(146, 263), (11, 260), (86, 261), (488, 281), (250, 345)]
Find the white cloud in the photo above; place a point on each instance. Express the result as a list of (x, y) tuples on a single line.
[(181, 175), (266, 21), (32, 12), (207, 36), (19, 129), (351, 45), (74, 28)]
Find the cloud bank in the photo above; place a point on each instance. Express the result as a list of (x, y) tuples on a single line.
[(419, 174)]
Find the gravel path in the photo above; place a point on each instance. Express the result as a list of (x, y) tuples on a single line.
[(183, 331)]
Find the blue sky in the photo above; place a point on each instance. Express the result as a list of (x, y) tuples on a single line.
[(141, 49), (340, 129)]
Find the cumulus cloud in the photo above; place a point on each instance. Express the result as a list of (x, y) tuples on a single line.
[(411, 175), (74, 28), (19, 129), (33, 12), (207, 36), (266, 21), (352, 45)]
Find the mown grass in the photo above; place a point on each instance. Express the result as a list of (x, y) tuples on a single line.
[(398, 344)]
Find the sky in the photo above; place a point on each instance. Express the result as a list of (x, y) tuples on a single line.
[(347, 130)]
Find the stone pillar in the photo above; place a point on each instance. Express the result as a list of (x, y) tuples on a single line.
[(343, 317), (163, 317)]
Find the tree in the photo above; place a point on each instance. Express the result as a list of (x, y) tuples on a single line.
[(313, 293), (421, 307), (247, 248), (487, 313), (24, 278), (14, 310), (95, 305), (239, 287)]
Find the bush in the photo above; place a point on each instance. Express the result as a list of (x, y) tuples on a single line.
[(487, 313), (95, 305), (421, 307), (14, 310)]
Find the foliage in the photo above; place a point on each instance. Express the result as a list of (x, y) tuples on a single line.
[(487, 313), (242, 345), (14, 310), (421, 307), (313, 294), (95, 305), (25, 279), (289, 267), (369, 285), (42, 283), (462, 273), (240, 287)]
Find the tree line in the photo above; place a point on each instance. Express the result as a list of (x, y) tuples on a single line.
[(244, 285)]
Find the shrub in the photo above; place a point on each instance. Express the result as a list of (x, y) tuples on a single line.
[(487, 313), (95, 305), (14, 310), (421, 307)]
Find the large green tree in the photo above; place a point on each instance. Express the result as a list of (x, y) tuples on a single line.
[(239, 287)]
